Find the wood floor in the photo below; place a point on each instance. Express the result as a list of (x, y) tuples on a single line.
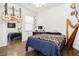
[(17, 48)]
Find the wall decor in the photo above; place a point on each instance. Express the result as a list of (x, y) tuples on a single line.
[(19, 19), (73, 5), (74, 12), (20, 12), (13, 16), (6, 13), (6, 16)]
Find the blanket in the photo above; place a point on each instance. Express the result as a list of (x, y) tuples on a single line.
[(54, 38)]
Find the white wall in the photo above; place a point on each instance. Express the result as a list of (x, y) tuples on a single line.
[(54, 19), (3, 40)]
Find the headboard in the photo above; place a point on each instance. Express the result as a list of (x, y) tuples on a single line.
[(56, 33)]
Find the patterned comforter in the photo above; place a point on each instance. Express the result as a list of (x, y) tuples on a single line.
[(58, 39)]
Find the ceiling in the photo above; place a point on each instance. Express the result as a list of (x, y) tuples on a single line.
[(33, 8)]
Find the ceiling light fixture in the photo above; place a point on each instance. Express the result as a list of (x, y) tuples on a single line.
[(38, 4)]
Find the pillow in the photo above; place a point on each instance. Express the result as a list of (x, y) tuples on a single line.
[(56, 33)]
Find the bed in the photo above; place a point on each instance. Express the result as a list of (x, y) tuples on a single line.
[(43, 44)]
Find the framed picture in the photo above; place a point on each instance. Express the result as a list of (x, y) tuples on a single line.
[(11, 25)]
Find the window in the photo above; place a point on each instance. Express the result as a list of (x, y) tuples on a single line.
[(29, 23)]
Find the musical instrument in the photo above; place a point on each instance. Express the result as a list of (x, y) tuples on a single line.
[(71, 39)]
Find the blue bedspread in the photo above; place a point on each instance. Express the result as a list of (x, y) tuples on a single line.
[(45, 47)]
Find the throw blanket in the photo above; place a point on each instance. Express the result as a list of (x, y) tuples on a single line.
[(58, 39)]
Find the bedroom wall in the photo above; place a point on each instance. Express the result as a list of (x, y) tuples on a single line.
[(3, 24), (54, 20)]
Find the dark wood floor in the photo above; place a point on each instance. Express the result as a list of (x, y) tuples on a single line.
[(17, 48), (69, 52)]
